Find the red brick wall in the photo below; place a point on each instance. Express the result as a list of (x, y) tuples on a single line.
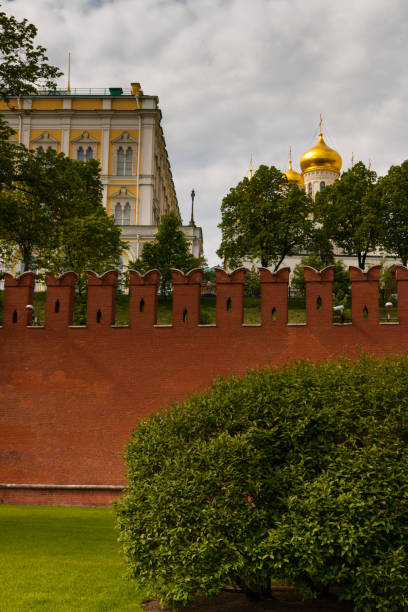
[(69, 396)]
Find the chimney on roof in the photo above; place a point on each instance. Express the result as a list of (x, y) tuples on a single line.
[(136, 90)]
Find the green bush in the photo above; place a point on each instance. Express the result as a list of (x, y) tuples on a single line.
[(296, 474)]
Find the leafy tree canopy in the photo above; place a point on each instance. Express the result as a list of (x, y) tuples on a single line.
[(23, 68), (393, 190), (298, 474), (46, 201), (23, 65), (264, 219), (341, 283), (51, 216), (349, 212), (168, 250), (88, 242)]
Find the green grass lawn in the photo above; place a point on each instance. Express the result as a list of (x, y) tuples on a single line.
[(62, 559)]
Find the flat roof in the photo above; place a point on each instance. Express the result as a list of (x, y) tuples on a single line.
[(111, 92)]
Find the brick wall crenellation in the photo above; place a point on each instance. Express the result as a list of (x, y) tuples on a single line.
[(69, 396)]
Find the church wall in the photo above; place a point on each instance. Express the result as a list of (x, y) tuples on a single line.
[(69, 396), (315, 177)]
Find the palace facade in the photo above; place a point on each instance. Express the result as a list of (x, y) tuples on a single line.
[(121, 128)]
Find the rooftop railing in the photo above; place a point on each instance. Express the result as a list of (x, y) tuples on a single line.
[(85, 91)]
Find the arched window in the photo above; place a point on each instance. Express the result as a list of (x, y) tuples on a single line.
[(120, 168), (45, 141), (126, 214), (310, 189), (85, 147), (40, 149), (322, 185), (124, 154), (118, 214), (128, 163)]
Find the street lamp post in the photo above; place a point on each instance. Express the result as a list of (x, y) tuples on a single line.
[(192, 208)]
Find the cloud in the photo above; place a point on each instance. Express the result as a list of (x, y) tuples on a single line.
[(236, 78)]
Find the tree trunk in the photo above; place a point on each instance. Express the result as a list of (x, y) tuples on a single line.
[(27, 259), (361, 261), (279, 263)]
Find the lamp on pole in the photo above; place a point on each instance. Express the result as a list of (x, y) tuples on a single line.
[(192, 208)]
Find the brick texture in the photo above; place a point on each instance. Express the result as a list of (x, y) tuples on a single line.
[(69, 396)]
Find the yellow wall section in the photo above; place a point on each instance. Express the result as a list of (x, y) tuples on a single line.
[(97, 134), (11, 104), (115, 134), (47, 103), (127, 104), (125, 180), (87, 104), (54, 133)]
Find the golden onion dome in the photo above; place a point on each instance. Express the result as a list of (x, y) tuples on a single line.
[(321, 157), (293, 176)]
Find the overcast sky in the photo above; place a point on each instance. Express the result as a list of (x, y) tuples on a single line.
[(236, 77)]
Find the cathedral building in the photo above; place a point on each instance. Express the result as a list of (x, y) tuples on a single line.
[(121, 128), (320, 167)]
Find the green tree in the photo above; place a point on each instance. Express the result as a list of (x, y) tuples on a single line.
[(252, 287), (349, 212), (341, 283), (168, 250), (388, 282), (23, 68), (297, 474), (51, 216), (23, 65), (26, 227), (393, 189), (90, 242), (56, 180), (264, 219)]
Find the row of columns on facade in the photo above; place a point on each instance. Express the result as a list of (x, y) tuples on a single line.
[(143, 292)]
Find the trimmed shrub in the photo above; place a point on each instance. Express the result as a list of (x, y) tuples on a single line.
[(297, 474)]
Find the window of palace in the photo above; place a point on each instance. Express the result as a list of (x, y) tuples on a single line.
[(45, 142), (322, 185), (122, 214), (123, 204), (124, 162), (310, 189), (85, 147), (84, 155), (124, 155)]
